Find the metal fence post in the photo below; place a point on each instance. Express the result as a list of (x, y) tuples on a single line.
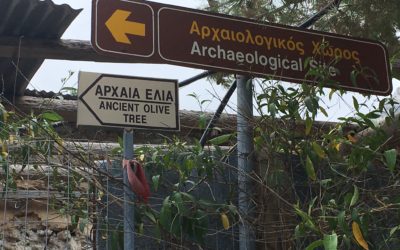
[(245, 160), (129, 224)]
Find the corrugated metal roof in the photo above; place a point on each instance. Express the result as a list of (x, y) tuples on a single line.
[(49, 94), (29, 19)]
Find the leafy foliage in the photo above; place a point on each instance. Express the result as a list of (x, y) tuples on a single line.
[(185, 213), (335, 177), (31, 141), (348, 178)]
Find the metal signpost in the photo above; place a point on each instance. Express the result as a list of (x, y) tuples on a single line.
[(127, 102), (245, 150), (159, 33), (129, 212)]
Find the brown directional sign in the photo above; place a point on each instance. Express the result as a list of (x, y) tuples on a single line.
[(159, 33)]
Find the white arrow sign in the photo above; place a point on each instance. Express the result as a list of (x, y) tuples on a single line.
[(126, 101)]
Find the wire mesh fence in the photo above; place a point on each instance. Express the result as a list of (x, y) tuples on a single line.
[(69, 195), (43, 198)]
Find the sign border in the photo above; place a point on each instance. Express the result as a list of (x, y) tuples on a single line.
[(95, 26), (175, 82), (157, 56)]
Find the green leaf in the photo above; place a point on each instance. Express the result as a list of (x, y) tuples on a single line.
[(331, 242), (373, 115), (315, 244), (382, 103), (120, 141), (82, 224), (220, 139), (299, 231), (177, 197), (307, 220), (233, 209), (333, 91), (141, 229), (176, 226), (393, 230), (323, 111), (342, 222), (309, 104), (366, 120), (3, 115), (309, 124), (202, 121), (51, 116), (318, 150), (332, 221), (166, 214), (188, 196), (391, 158), (355, 104), (310, 206), (355, 196), (74, 220), (150, 216), (156, 181), (272, 109), (310, 169), (204, 101)]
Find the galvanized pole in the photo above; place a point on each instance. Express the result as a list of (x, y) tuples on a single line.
[(245, 148), (129, 224)]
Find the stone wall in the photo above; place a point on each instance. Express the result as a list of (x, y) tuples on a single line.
[(34, 226)]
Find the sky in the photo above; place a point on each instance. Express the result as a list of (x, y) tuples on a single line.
[(49, 76)]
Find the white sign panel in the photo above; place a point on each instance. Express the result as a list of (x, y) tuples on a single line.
[(127, 102)]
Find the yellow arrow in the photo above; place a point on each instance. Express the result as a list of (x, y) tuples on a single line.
[(119, 27)]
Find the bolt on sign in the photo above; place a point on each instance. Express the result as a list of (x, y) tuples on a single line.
[(127, 102), (158, 33)]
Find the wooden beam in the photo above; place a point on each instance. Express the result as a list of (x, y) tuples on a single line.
[(68, 109), (73, 50), (190, 122), (191, 129)]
